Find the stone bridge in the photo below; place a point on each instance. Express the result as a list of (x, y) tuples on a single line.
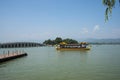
[(19, 44)]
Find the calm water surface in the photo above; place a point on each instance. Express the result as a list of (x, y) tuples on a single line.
[(102, 62)]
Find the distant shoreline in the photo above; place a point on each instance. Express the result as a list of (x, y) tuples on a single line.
[(103, 43)]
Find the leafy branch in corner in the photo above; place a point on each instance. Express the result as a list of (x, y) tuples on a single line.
[(110, 4)]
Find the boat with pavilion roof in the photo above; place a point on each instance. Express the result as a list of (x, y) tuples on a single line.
[(80, 46)]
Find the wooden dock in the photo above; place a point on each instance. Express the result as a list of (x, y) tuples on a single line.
[(9, 56)]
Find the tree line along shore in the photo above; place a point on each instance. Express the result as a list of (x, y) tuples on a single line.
[(58, 40)]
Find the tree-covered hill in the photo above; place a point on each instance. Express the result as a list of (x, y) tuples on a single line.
[(58, 40)]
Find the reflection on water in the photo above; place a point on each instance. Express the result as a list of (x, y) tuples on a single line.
[(81, 55), (46, 63)]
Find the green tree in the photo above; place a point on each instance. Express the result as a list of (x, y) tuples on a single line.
[(70, 41), (49, 42), (58, 40), (109, 6)]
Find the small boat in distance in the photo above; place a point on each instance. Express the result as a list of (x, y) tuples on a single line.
[(80, 46)]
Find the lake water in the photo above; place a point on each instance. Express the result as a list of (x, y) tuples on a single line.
[(102, 62)]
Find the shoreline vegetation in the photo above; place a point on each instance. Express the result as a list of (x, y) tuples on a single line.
[(57, 40)]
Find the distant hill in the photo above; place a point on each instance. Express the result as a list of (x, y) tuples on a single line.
[(103, 41)]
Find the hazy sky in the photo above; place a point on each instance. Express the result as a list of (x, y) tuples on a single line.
[(31, 20)]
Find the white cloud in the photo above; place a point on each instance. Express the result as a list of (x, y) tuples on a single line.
[(96, 28)]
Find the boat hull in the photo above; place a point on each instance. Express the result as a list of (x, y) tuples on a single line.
[(73, 48)]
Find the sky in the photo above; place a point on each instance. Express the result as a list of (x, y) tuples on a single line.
[(38, 20)]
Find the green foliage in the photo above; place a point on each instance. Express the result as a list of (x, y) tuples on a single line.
[(59, 40), (70, 41), (109, 6), (49, 42)]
